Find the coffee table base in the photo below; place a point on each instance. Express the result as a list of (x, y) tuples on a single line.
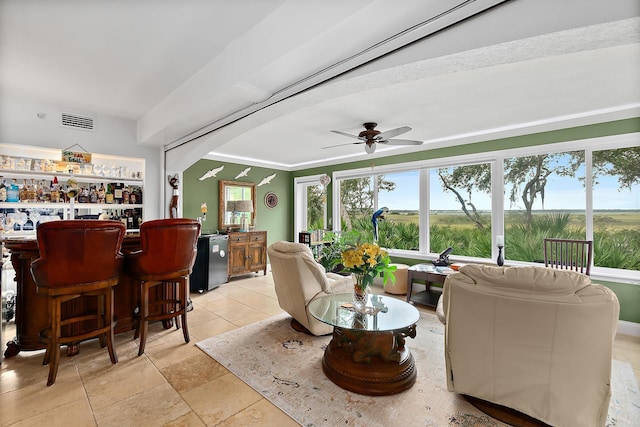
[(374, 372)]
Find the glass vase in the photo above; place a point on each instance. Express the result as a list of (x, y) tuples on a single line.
[(360, 292)]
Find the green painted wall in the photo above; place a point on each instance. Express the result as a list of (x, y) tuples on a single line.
[(277, 221), (279, 224)]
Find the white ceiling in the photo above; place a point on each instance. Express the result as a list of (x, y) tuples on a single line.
[(191, 68)]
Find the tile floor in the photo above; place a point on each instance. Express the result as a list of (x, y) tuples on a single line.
[(172, 384)]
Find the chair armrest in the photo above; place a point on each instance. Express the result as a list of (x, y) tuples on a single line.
[(338, 284)]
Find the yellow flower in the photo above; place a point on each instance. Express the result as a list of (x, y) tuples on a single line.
[(368, 261)]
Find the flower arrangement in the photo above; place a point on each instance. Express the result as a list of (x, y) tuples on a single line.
[(367, 261)]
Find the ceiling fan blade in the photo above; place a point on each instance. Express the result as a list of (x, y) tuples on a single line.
[(346, 134), (391, 133), (340, 145), (401, 142)]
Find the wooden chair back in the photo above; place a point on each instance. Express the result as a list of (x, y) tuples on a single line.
[(569, 254)]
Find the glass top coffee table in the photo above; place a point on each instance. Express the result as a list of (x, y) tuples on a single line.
[(367, 353)]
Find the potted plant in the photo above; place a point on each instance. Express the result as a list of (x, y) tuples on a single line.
[(330, 256)]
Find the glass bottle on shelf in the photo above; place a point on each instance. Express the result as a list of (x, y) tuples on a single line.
[(93, 194), (55, 191), (32, 193), (22, 192), (46, 192), (102, 194), (109, 194)]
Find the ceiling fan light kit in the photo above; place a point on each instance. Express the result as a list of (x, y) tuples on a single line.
[(371, 136)]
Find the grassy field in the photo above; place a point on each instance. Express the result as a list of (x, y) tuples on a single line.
[(614, 220)]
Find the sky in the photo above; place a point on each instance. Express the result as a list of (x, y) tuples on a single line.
[(561, 193)]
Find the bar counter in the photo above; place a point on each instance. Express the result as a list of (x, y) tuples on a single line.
[(31, 309)]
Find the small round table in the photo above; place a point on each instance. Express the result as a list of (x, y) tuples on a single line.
[(367, 353)]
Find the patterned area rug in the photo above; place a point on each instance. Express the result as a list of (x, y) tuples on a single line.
[(285, 367)]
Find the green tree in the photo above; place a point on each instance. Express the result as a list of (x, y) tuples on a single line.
[(357, 197), (623, 163), (467, 178), (316, 200)]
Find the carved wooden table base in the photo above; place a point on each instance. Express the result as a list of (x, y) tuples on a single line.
[(369, 362)]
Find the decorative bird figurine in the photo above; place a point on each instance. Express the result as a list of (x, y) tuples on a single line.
[(243, 173), (211, 173), (267, 179)]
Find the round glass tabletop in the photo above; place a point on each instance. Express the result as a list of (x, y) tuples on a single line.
[(337, 310)]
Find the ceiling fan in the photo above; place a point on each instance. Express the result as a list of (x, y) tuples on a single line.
[(370, 137)]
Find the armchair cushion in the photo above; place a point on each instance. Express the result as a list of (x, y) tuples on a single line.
[(534, 339), (299, 279)]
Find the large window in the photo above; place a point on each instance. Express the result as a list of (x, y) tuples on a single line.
[(544, 197), (460, 210), (588, 189), (398, 192), (616, 208)]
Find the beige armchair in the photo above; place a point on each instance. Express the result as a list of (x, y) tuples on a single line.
[(299, 279), (534, 339)]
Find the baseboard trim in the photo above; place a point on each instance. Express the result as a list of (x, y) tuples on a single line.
[(628, 328)]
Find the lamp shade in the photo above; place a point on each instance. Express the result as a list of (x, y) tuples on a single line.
[(244, 206), (231, 206)]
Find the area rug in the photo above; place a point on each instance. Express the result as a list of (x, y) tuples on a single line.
[(285, 367)]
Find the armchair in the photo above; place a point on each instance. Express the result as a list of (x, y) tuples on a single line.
[(299, 279), (533, 339)]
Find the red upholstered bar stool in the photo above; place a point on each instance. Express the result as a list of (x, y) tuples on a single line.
[(165, 260), (78, 258)]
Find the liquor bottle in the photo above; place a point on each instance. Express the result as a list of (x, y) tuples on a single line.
[(116, 189), (55, 191), (102, 194), (46, 192), (109, 194), (13, 192), (22, 192), (125, 195), (32, 193), (93, 194)]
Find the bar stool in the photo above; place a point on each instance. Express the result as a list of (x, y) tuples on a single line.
[(78, 258), (165, 260)]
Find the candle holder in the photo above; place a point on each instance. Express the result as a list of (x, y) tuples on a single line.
[(500, 260)]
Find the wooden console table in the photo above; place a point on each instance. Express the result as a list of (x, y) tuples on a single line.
[(430, 274)]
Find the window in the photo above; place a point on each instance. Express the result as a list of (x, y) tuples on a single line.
[(587, 189), (616, 208), (460, 210), (544, 197), (399, 227), (316, 207), (310, 200)]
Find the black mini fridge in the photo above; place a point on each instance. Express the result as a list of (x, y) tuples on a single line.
[(210, 269)]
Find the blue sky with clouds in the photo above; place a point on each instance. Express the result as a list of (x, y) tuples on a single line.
[(562, 193)]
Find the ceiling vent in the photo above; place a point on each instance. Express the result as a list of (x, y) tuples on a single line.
[(77, 122)]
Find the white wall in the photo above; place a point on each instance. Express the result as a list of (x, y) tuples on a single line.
[(19, 124)]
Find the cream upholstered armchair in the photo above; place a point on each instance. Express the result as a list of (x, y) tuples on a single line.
[(299, 279), (534, 339)]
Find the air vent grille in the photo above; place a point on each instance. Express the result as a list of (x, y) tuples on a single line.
[(77, 122)]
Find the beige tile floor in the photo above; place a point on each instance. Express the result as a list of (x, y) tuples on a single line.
[(172, 384)]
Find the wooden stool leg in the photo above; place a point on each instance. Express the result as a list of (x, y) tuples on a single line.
[(143, 323), (101, 313), (54, 340), (108, 317), (184, 286)]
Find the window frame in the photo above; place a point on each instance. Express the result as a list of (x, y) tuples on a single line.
[(495, 158)]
